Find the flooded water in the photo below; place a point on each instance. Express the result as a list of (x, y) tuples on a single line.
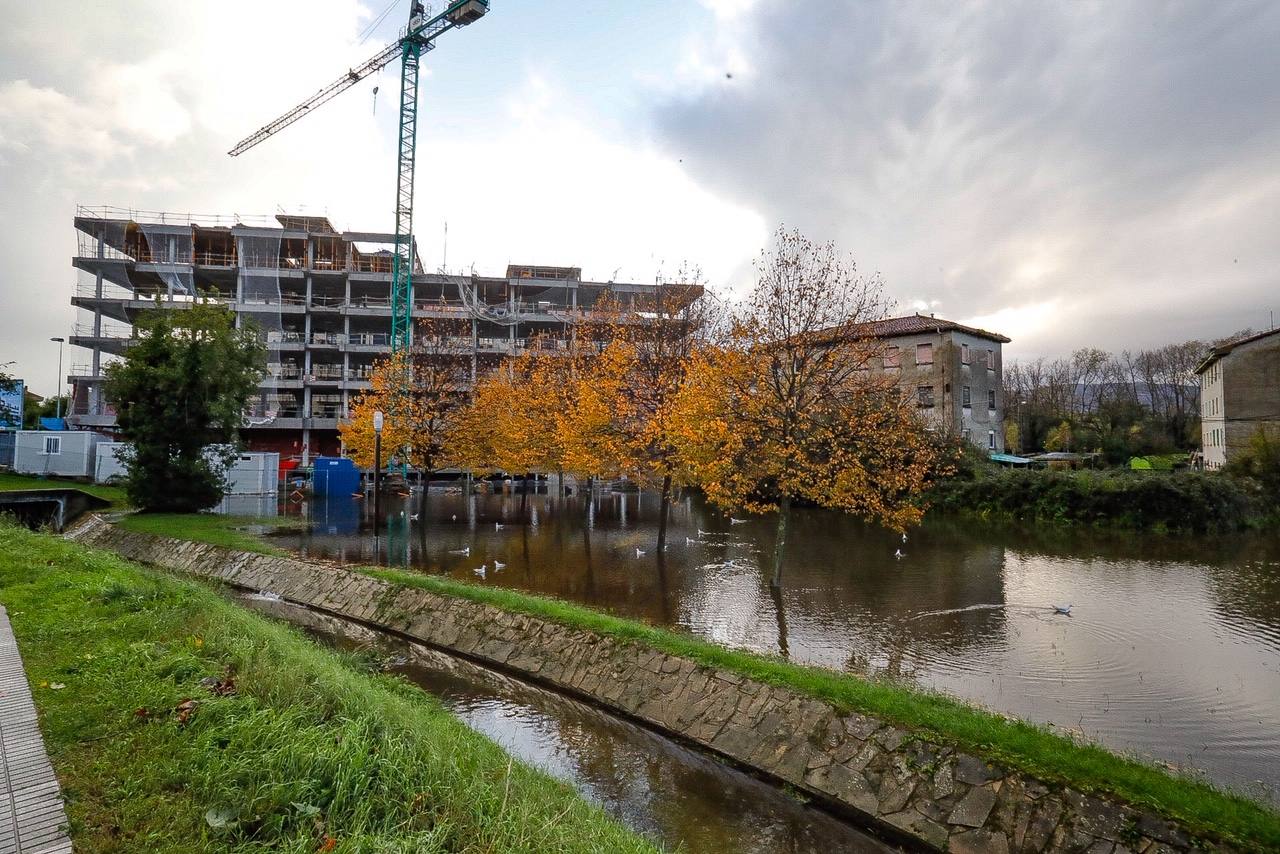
[(676, 796), (1171, 649)]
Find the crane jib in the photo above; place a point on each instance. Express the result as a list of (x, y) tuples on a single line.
[(415, 39)]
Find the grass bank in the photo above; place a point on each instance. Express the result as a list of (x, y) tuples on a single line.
[(1036, 750), (232, 532), (10, 482), (289, 747), (1156, 501)]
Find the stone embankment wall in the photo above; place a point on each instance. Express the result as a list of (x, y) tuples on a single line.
[(920, 792)]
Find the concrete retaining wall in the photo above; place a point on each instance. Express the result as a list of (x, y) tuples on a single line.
[(924, 793)]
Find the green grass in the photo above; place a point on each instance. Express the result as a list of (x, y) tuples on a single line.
[(10, 482), (215, 528), (1036, 750), (309, 747)]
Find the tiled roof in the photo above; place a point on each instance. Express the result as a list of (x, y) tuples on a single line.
[(1223, 349), (915, 324)]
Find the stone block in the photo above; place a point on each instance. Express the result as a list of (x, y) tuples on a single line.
[(974, 807)]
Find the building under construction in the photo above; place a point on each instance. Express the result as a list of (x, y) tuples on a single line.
[(321, 300)]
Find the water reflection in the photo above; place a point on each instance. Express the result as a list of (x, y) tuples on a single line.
[(672, 794), (1172, 651)]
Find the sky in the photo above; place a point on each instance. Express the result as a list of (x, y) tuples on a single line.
[(1070, 175)]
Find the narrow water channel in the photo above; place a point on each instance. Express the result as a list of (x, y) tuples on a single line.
[(673, 794)]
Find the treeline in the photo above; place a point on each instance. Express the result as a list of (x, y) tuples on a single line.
[(1135, 402), (1193, 501), (759, 403)]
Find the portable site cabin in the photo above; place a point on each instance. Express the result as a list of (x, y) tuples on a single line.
[(254, 473), (108, 467), (65, 453), (248, 474)]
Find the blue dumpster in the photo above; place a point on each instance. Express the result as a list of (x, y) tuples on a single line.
[(335, 476)]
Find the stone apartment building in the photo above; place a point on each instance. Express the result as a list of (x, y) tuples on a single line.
[(1239, 395), (953, 372)]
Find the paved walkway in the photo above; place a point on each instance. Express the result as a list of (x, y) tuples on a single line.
[(32, 820)]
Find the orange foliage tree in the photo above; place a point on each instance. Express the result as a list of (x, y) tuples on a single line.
[(422, 394), (790, 408)]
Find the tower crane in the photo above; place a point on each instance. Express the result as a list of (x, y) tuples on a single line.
[(415, 39)]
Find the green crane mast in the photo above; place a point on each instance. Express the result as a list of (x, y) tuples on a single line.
[(416, 38)]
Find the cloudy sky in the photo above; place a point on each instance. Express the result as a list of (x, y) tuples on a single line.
[(1069, 174)]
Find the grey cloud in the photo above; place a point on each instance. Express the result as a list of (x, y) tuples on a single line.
[(1130, 149)]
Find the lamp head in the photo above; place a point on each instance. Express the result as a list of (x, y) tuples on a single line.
[(58, 340), (377, 421)]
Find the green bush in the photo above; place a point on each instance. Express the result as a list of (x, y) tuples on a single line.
[(1185, 501), (1260, 463)]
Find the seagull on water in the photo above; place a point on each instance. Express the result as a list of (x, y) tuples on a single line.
[(455, 517), (481, 571), (688, 541), (1062, 609), (639, 552), (898, 554), (497, 565), (904, 536), (733, 521), (464, 552), (498, 526), (413, 517)]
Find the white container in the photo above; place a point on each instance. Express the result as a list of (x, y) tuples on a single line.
[(62, 453), (109, 464), (254, 473)]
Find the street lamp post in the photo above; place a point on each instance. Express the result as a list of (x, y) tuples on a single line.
[(377, 470), (58, 395)]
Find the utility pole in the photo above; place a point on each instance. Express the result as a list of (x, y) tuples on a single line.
[(58, 393), (377, 471)]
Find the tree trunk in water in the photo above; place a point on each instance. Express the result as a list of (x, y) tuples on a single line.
[(780, 545), (662, 512), (524, 495), (422, 501)]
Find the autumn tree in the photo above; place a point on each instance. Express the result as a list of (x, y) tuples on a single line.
[(631, 388), (421, 392), (793, 406)]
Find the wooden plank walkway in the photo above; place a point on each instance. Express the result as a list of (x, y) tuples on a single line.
[(32, 820)]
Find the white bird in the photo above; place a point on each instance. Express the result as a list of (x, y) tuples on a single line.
[(464, 552), (498, 526), (733, 521), (413, 517), (904, 536), (455, 517), (1062, 609), (639, 552), (898, 554), (497, 565), (481, 571), (688, 541)]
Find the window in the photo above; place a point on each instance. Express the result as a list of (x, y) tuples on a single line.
[(53, 445), (964, 354), (991, 439), (924, 354), (991, 360), (892, 357), (924, 396), (991, 398), (966, 397)]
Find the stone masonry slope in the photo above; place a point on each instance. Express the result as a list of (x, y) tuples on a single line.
[(926, 794)]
